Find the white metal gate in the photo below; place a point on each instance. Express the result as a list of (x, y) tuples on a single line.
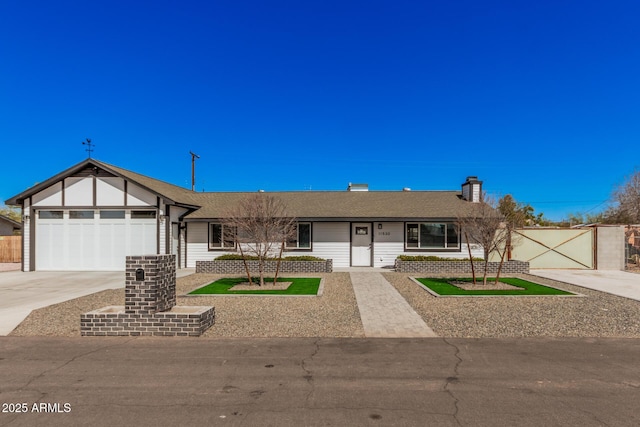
[(555, 248)]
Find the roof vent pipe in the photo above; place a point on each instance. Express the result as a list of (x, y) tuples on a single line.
[(358, 187)]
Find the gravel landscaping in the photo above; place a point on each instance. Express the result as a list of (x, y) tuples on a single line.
[(596, 314), (335, 313)]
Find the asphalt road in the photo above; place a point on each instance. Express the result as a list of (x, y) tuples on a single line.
[(319, 382)]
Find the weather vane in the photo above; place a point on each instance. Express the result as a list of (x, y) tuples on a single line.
[(89, 145)]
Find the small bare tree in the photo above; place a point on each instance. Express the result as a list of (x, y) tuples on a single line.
[(262, 226), (480, 223)]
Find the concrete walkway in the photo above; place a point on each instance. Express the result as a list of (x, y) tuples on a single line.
[(614, 282), (384, 312)]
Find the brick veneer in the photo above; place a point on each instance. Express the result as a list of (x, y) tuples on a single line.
[(460, 267), (149, 305), (237, 266), (157, 292)]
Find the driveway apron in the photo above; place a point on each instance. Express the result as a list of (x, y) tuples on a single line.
[(22, 292), (384, 312), (614, 282)]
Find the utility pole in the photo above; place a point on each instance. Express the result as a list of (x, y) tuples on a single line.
[(89, 145), (194, 156)]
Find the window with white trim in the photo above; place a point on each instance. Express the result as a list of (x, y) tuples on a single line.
[(432, 235), (221, 236), (302, 239)]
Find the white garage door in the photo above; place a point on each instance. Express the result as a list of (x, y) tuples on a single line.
[(92, 240)]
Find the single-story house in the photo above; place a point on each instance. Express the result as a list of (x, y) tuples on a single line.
[(9, 227), (90, 216)]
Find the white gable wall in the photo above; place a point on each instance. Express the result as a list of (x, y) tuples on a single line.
[(110, 191), (138, 196), (51, 196), (78, 191)]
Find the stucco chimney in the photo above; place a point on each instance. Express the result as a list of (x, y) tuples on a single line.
[(472, 189)]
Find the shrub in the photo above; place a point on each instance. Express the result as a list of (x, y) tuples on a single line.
[(238, 257), (432, 258), (302, 258)]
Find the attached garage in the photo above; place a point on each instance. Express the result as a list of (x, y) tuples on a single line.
[(91, 216), (92, 239)]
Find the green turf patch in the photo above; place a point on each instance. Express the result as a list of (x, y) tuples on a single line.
[(299, 286), (444, 288)]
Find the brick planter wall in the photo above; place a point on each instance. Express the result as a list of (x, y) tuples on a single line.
[(237, 267), (445, 268), (113, 321), (150, 305)]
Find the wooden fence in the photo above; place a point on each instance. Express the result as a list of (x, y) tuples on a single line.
[(10, 248)]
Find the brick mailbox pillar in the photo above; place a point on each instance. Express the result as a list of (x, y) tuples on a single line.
[(150, 304), (150, 284)]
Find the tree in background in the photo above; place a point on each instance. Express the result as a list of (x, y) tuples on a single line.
[(627, 199), (587, 218), (624, 210), (260, 226), (12, 213), (514, 215), (527, 213)]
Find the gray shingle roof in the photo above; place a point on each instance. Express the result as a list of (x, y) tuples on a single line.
[(345, 204), (173, 192), (13, 222), (331, 205)]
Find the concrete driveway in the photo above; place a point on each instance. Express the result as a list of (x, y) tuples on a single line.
[(614, 282), (22, 292)]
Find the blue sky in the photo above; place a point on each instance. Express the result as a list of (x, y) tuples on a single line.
[(538, 99)]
